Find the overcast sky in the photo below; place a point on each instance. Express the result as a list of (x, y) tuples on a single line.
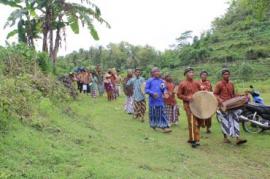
[(140, 22)]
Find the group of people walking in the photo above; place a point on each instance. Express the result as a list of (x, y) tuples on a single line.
[(89, 82), (162, 93), (163, 108), (162, 113), (96, 82)]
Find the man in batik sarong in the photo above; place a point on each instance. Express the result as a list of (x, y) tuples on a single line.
[(128, 91), (138, 96), (224, 90), (187, 88), (205, 85), (171, 107), (100, 79), (156, 89)]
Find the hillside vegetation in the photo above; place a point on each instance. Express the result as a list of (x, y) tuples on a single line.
[(240, 40), (26, 78)]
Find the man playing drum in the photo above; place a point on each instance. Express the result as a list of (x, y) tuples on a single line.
[(224, 91), (205, 85), (187, 88)]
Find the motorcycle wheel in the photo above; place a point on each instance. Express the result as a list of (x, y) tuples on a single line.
[(251, 127)]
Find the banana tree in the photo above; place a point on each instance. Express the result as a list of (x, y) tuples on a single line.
[(54, 16), (24, 16), (57, 15)]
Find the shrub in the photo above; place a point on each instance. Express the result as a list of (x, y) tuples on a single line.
[(24, 79), (245, 71)]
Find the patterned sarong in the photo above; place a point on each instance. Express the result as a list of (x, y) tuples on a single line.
[(172, 113), (157, 117), (139, 109), (129, 105), (94, 93), (101, 89), (230, 122)]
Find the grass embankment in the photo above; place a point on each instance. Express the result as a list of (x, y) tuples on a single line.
[(96, 139)]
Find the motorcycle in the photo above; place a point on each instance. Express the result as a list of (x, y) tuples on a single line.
[(255, 95), (255, 117)]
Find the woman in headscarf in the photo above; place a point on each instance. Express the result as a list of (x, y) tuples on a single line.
[(108, 87)]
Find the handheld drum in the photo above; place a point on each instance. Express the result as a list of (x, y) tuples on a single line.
[(203, 105)]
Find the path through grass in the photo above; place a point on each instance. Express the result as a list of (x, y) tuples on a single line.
[(96, 139)]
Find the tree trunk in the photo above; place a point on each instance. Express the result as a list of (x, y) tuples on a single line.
[(56, 45), (45, 41), (46, 29)]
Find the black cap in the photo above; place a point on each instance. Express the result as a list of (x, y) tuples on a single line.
[(225, 70), (204, 71), (188, 69)]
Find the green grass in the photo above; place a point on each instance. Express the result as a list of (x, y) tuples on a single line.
[(96, 139)]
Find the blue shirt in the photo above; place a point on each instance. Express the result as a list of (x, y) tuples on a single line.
[(155, 85), (137, 88)]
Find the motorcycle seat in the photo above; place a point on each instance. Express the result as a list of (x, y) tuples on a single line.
[(259, 108)]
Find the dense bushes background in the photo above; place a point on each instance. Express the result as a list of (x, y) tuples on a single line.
[(25, 79)]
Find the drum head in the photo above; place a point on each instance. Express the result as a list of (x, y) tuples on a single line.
[(203, 105)]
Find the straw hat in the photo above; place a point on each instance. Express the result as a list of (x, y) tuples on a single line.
[(203, 105)]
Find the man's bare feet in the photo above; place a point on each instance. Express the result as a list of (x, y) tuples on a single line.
[(240, 141), (167, 130), (227, 141)]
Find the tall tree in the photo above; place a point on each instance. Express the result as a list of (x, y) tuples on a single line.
[(53, 19)]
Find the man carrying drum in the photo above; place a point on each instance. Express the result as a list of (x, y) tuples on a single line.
[(187, 88), (224, 91)]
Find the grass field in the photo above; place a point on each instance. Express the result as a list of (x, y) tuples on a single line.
[(96, 139)]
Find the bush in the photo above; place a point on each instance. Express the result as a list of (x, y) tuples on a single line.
[(24, 80), (21, 59), (245, 71), (257, 52), (44, 62)]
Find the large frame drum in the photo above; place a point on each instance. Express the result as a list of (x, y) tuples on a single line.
[(203, 105)]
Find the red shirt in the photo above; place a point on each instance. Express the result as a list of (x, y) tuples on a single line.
[(170, 88), (224, 90), (187, 88), (205, 85)]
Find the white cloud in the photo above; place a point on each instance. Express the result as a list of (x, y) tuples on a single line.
[(153, 22)]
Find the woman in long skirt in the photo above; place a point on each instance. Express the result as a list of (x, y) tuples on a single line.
[(171, 107)]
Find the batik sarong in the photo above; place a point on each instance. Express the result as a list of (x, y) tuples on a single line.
[(157, 117), (139, 108), (230, 122), (172, 113), (129, 105), (94, 93)]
